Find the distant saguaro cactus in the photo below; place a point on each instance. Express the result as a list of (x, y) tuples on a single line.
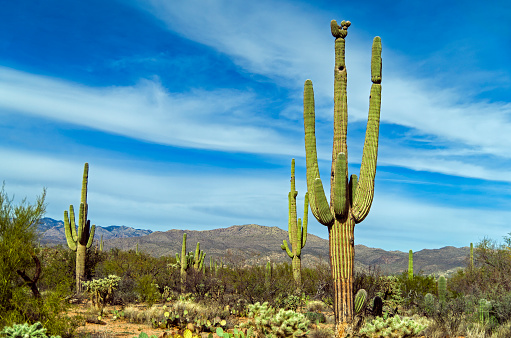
[(82, 240), (471, 255), (349, 201), (410, 265), (185, 261), (297, 230), (442, 288)]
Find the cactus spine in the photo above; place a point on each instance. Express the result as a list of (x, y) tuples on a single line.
[(410, 265), (349, 201), (82, 240), (297, 229)]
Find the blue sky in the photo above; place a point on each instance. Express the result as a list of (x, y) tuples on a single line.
[(189, 112)]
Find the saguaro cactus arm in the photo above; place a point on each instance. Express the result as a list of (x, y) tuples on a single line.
[(365, 190), (317, 199), (70, 228)]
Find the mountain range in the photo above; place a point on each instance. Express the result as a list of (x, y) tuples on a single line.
[(256, 244)]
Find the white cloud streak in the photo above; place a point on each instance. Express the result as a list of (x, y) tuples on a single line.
[(219, 120)]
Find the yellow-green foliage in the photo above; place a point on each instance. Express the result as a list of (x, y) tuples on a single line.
[(282, 323), (393, 327)]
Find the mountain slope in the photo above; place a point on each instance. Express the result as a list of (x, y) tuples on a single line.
[(256, 244)]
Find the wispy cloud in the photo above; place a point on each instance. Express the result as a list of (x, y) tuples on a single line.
[(225, 120)]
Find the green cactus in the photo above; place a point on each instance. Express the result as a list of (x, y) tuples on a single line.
[(268, 274), (442, 288), (410, 265), (351, 200), (297, 229), (25, 331), (101, 243), (471, 255), (185, 261), (483, 311), (82, 240), (360, 299)]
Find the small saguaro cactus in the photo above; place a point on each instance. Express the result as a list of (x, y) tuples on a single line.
[(82, 240), (483, 311), (442, 288), (297, 229), (360, 299), (350, 198), (410, 265), (268, 274)]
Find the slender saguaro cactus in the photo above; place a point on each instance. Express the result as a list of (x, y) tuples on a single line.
[(82, 240), (410, 265), (471, 255), (349, 201), (184, 263), (297, 229)]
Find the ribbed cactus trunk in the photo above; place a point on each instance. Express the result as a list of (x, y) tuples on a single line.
[(351, 200), (184, 264), (297, 230), (82, 240)]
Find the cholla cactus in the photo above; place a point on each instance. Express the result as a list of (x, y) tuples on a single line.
[(272, 323), (25, 331), (101, 290), (392, 327)]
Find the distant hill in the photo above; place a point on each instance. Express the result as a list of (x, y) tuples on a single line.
[(256, 244), (52, 232)]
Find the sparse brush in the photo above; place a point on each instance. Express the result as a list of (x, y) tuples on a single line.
[(316, 306), (321, 332)]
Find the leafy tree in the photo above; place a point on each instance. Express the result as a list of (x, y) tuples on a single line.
[(18, 236)]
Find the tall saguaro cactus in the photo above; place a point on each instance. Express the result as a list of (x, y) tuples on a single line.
[(351, 200), (297, 229), (82, 240)]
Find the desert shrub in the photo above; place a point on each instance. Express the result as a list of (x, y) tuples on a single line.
[(491, 274), (413, 290), (317, 281), (448, 316), (315, 317), (315, 306), (147, 290)]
